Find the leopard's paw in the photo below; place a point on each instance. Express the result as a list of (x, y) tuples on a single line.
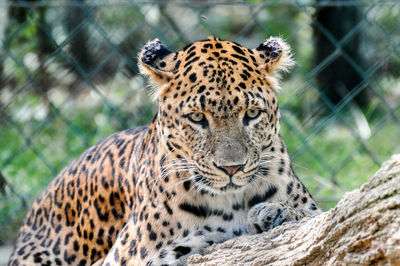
[(267, 215)]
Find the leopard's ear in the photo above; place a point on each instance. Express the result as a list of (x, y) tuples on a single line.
[(273, 56), (157, 63)]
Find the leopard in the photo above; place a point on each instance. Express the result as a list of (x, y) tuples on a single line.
[(211, 166)]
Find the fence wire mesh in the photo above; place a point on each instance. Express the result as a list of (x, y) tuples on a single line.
[(68, 77)]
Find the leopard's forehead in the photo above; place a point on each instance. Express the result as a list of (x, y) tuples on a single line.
[(218, 76), (214, 48), (214, 53)]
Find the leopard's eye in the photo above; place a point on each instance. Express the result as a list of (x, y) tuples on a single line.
[(252, 113), (198, 118)]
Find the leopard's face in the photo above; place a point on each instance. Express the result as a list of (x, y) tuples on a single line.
[(218, 110)]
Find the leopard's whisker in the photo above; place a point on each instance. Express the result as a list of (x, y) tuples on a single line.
[(164, 174), (181, 182)]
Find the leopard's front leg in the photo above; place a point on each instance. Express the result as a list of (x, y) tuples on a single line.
[(134, 246)]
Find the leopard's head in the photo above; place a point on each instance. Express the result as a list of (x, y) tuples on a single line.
[(218, 111)]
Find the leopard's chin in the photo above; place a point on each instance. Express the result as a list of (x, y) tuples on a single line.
[(229, 187)]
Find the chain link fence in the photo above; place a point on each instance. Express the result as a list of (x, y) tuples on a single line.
[(68, 77)]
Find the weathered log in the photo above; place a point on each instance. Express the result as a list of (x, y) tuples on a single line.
[(363, 229)]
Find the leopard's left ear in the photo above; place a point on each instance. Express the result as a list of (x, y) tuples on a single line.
[(157, 63), (274, 56)]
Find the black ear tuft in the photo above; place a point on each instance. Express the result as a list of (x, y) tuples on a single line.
[(158, 64), (154, 51), (274, 56), (271, 47)]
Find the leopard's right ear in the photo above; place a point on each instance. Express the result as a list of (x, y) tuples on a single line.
[(158, 63)]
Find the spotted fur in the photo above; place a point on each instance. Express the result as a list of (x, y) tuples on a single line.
[(211, 166)]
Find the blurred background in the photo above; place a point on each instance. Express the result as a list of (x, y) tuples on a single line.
[(68, 78)]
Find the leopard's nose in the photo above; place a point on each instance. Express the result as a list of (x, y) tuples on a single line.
[(231, 170)]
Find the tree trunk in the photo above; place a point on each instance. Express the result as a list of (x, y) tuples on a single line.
[(79, 42), (339, 78), (363, 229)]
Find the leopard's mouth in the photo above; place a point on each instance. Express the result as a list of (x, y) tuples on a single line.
[(224, 185)]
